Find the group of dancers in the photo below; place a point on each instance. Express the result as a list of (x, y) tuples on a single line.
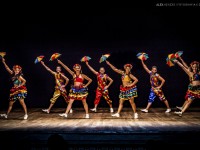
[(79, 89)]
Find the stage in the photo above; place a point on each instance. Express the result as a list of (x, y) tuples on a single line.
[(101, 129)]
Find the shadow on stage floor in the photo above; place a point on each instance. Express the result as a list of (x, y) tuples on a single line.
[(150, 131)]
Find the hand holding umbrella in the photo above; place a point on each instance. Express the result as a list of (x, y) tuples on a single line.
[(2, 54), (39, 59), (142, 56), (104, 57), (85, 59), (171, 59), (55, 56), (178, 54)]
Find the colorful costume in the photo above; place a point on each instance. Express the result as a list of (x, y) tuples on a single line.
[(193, 91), (59, 90), (127, 93), (101, 80), (154, 90), (17, 92), (78, 93)]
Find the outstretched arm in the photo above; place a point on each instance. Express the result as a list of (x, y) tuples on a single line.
[(66, 68), (66, 80), (183, 62), (183, 67), (162, 81), (6, 66), (92, 69), (47, 68), (87, 78), (114, 68), (135, 80), (145, 67)]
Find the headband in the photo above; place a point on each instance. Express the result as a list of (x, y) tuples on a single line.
[(77, 65), (128, 65)]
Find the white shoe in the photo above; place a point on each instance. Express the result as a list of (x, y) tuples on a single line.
[(144, 110), (71, 111), (4, 115), (94, 109), (168, 110), (25, 116), (111, 110), (135, 115), (46, 111), (63, 115), (116, 115), (178, 113), (180, 108), (87, 116)]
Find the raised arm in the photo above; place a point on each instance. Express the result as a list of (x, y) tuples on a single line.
[(145, 67), (88, 79), (66, 80), (66, 68), (183, 67), (47, 68), (183, 62), (162, 81), (23, 81), (135, 80), (114, 68), (92, 69), (6, 66)]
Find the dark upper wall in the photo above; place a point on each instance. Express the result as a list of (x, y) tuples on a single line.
[(121, 32)]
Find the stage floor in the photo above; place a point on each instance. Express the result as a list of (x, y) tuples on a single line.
[(102, 127)]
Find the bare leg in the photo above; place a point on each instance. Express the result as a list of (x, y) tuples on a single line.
[(184, 103), (50, 106), (95, 106), (167, 104), (69, 106), (85, 105), (186, 106), (148, 106), (23, 105), (121, 101), (10, 106), (133, 104)]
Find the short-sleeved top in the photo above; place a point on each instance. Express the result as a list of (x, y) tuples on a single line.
[(154, 79), (59, 80), (102, 80)]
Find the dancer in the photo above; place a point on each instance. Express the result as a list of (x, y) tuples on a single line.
[(78, 91), (102, 89), (18, 91), (128, 89), (186, 66), (61, 82), (194, 87), (156, 88)]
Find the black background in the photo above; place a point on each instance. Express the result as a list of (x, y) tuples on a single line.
[(123, 32)]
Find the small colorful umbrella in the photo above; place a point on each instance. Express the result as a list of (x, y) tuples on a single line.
[(54, 56), (104, 57), (39, 59), (85, 58), (170, 59), (2, 54), (178, 54), (142, 56)]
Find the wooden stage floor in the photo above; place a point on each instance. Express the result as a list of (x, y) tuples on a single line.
[(102, 128)]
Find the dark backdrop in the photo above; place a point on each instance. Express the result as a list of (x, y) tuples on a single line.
[(121, 32)]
